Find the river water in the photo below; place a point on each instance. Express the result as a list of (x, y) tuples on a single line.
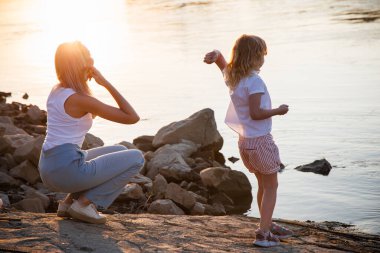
[(323, 60)]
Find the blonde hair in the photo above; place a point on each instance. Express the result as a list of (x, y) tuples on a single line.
[(247, 55), (72, 60)]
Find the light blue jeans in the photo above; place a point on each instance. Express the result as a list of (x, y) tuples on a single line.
[(99, 174)]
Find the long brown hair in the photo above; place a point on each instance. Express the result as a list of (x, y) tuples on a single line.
[(72, 60), (247, 55)]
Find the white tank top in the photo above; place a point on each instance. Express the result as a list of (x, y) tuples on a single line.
[(61, 127)]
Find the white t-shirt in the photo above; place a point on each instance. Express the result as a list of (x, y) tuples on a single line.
[(61, 127), (238, 117)]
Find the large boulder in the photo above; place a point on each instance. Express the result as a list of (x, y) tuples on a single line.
[(322, 167), (91, 141), (180, 196), (199, 128), (27, 171), (234, 184), (165, 206), (30, 150), (171, 158)]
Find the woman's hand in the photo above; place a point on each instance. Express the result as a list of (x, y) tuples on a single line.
[(211, 57), (99, 78)]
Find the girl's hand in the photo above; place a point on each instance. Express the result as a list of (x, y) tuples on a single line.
[(99, 78), (282, 109), (211, 57)]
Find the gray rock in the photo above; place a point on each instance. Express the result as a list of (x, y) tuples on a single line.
[(27, 171), (12, 142), (6, 120), (165, 206), (199, 128), (91, 141), (131, 191), (144, 143), (33, 205), (11, 129), (5, 199), (140, 179), (180, 196), (322, 167), (159, 187), (30, 150), (35, 114), (198, 209), (198, 198)]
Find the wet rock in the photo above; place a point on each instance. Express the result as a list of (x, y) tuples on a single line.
[(234, 184), (33, 205), (131, 191), (91, 141), (159, 186), (27, 171), (30, 150), (144, 143), (180, 196), (322, 167), (165, 206), (199, 128)]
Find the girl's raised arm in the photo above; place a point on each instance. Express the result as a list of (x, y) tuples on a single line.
[(217, 57)]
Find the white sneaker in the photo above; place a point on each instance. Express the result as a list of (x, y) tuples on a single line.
[(265, 239), (62, 210), (86, 213)]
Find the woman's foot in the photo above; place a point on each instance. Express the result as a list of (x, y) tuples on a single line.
[(265, 239), (87, 213), (62, 210), (280, 232)]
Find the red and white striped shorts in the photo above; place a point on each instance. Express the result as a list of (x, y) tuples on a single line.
[(260, 154)]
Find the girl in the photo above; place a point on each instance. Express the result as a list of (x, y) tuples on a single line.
[(249, 114), (97, 176)]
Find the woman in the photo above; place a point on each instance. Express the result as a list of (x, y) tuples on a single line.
[(93, 178)]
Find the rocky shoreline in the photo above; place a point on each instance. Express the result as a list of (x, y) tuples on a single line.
[(185, 199)]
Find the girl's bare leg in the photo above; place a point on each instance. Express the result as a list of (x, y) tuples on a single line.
[(259, 190), (268, 203)]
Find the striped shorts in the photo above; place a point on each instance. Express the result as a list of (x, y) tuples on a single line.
[(260, 154)]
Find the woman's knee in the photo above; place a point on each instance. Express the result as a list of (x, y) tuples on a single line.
[(270, 182), (138, 157)]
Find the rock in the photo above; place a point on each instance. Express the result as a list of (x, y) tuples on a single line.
[(183, 184), (221, 197), (8, 161), (131, 191), (198, 198), (322, 167), (7, 182), (234, 184), (199, 128), (159, 186), (174, 174), (165, 206), (1, 203), (25, 96), (35, 114), (91, 141), (168, 157), (31, 193), (215, 209), (128, 145), (6, 120), (15, 141), (144, 143), (30, 150), (180, 196), (11, 129), (27, 171), (37, 129), (140, 179), (233, 159), (198, 209), (33, 205), (5, 200)]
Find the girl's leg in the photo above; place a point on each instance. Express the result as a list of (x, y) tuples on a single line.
[(268, 203), (259, 190)]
